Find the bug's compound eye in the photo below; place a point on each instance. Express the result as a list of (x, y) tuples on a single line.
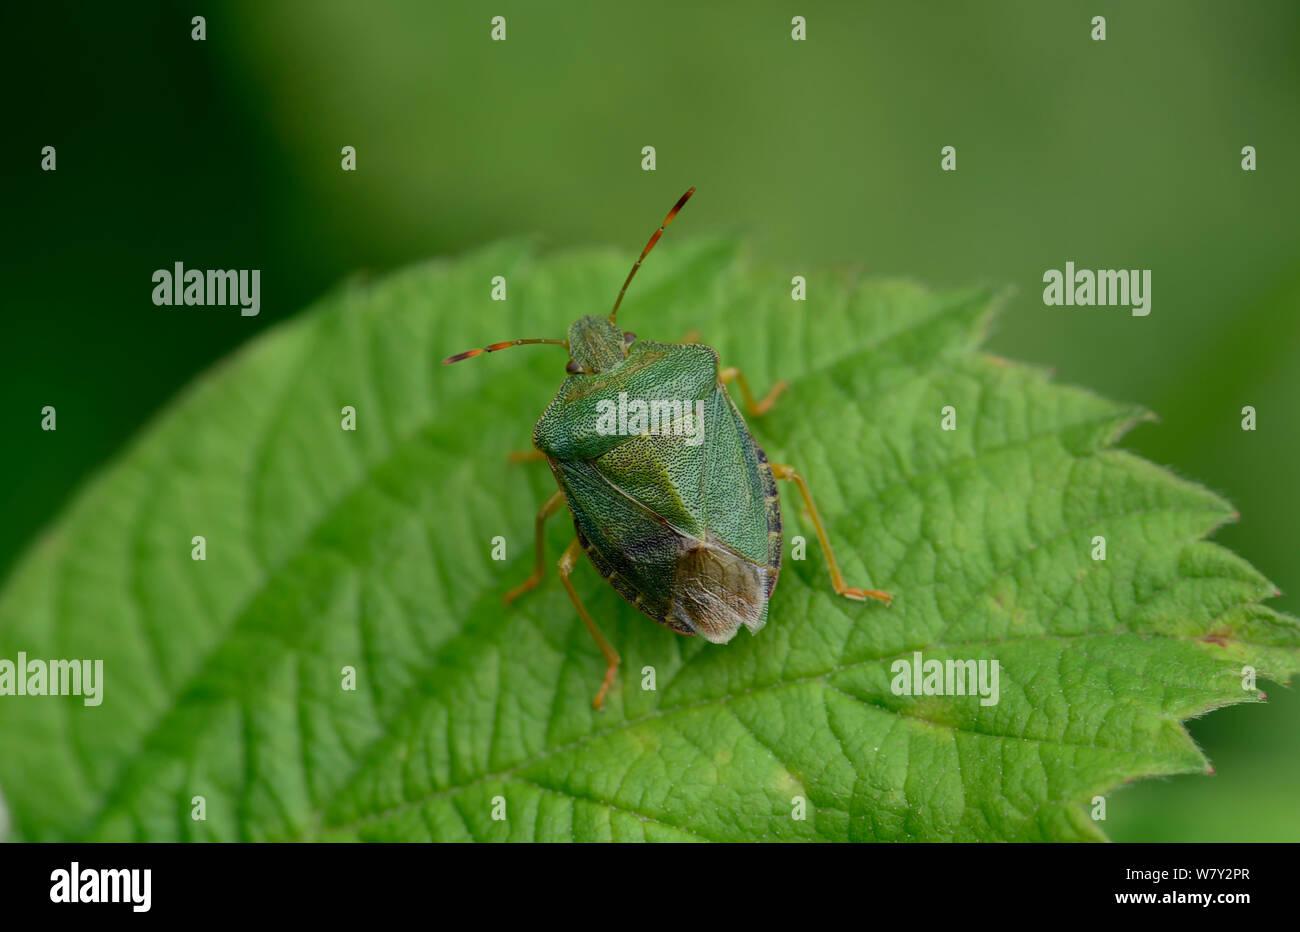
[(628, 337), (573, 368)]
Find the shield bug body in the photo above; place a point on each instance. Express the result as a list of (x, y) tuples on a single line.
[(672, 499)]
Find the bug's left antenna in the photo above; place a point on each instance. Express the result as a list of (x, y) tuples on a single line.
[(479, 351), (649, 246)]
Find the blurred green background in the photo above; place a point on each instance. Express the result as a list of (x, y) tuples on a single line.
[(1115, 154)]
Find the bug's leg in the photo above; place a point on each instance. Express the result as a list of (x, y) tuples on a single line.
[(755, 408), (526, 456), (551, 506), (789, 474), (567, 562)]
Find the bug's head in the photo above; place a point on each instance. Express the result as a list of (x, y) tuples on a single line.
[(596, 344)]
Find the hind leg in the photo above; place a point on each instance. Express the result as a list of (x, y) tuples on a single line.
[(567, 562)]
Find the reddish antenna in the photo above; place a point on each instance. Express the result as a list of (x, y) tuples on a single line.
[(649, 246), (471, 353)]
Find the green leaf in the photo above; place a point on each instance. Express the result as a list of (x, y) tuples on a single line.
[(372, 549)]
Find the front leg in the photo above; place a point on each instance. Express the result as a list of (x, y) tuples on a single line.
[(755, 408), (731, 373)]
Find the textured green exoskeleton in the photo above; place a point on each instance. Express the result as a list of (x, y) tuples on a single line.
[(688, 532), (672, 499)]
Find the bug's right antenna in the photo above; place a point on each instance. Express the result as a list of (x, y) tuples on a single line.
[(649, 246), (497, 347)]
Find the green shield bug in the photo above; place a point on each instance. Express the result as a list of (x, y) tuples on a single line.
[(672, 499)]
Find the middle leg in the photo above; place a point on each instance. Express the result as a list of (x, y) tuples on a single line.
[(789, 474)]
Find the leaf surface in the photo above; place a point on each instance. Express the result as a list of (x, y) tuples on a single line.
[(371, 549)]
